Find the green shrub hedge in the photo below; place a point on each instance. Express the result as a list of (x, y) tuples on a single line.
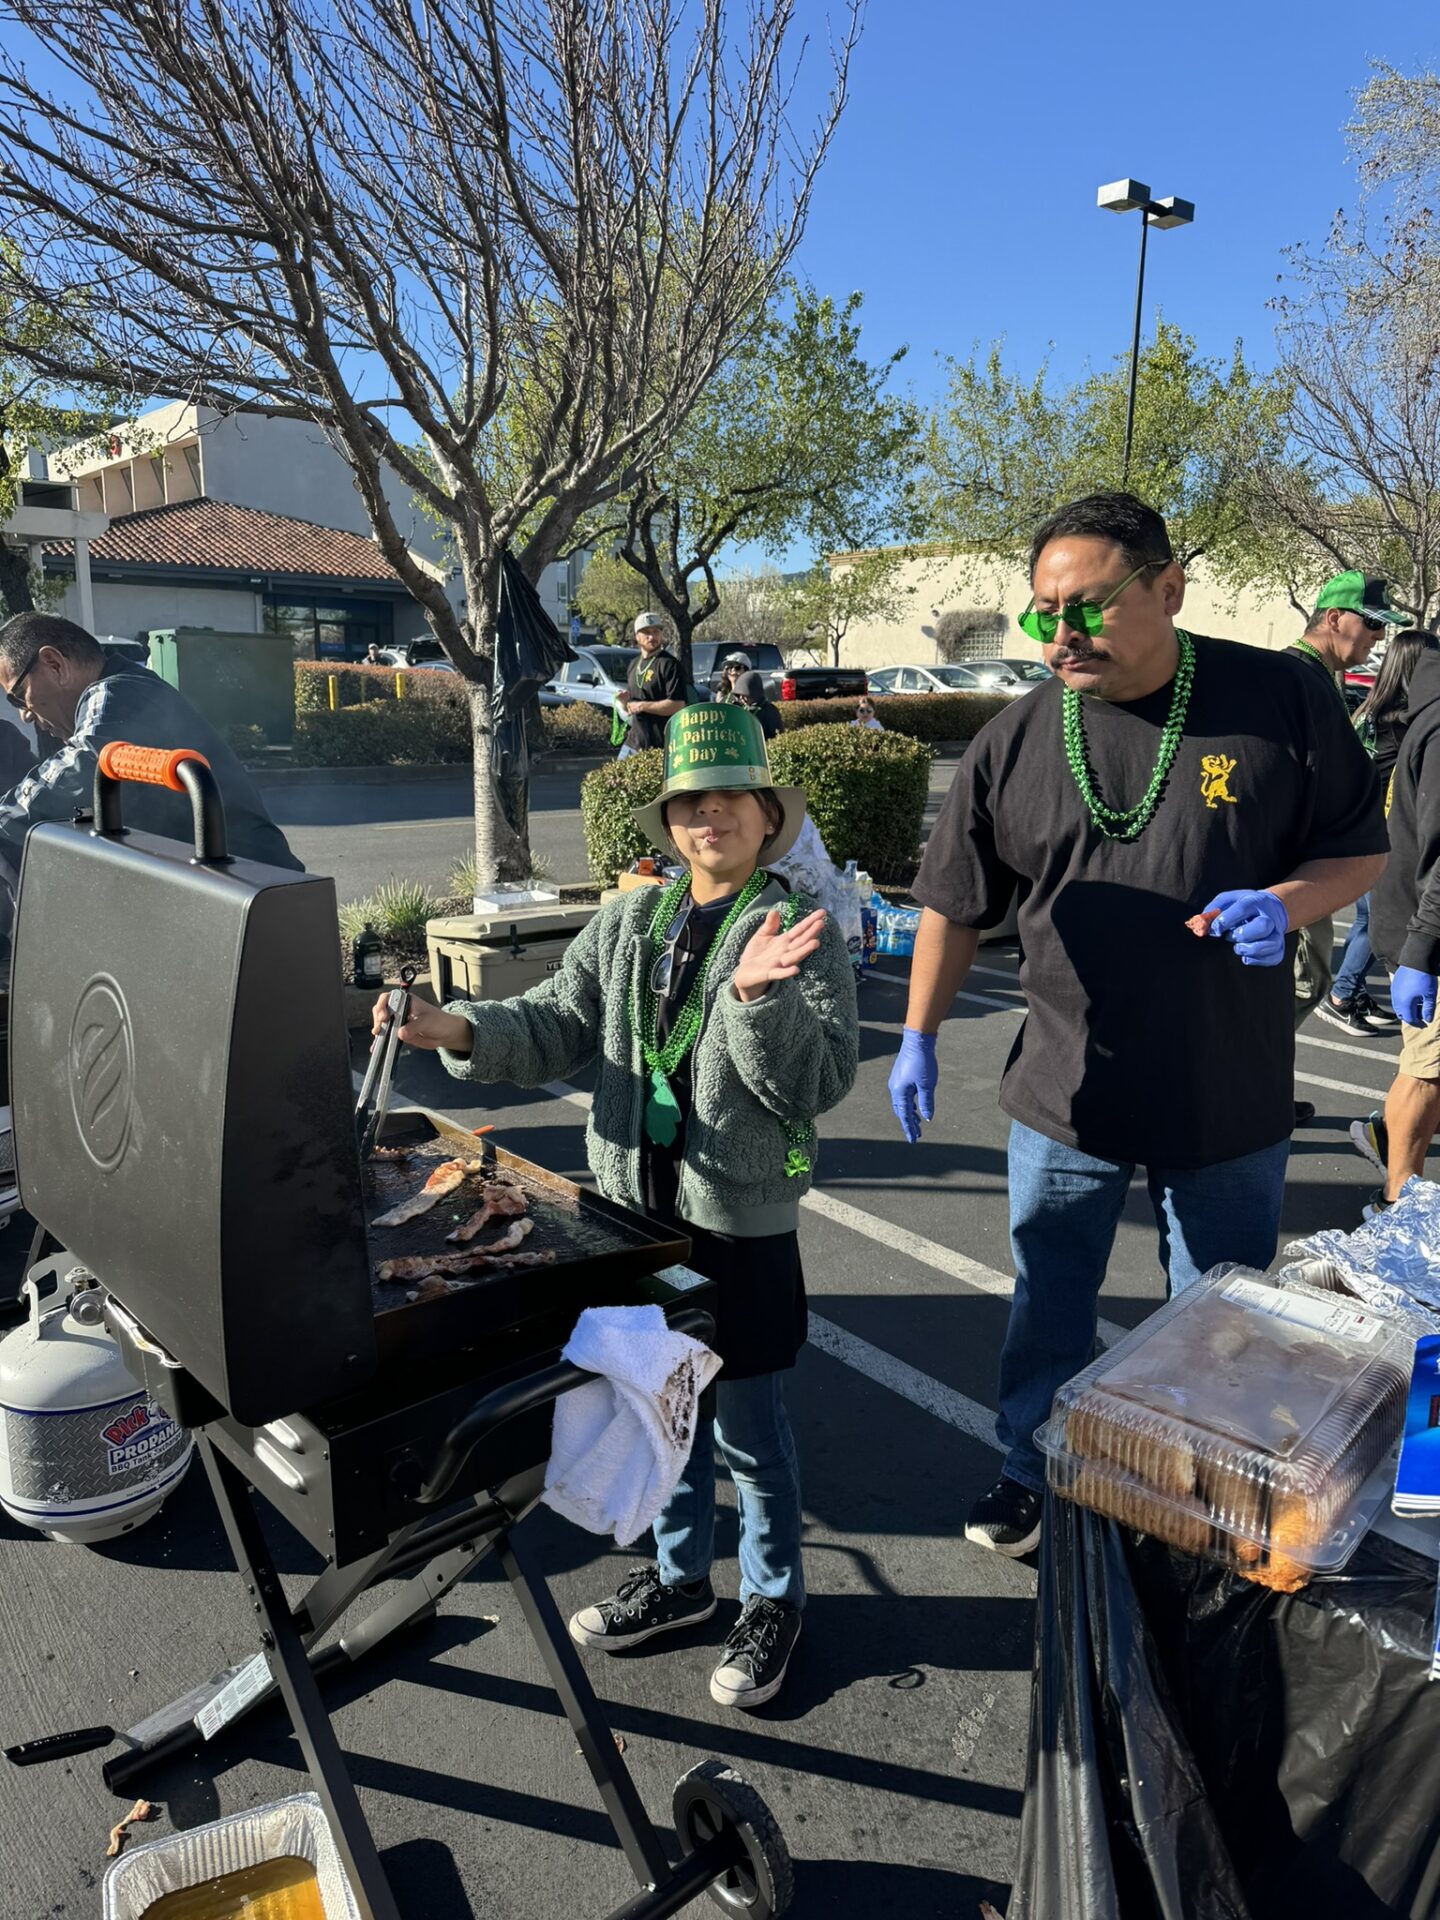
[(865, 792), (430, 722), (920, 716), (383, 733), (577, 727)]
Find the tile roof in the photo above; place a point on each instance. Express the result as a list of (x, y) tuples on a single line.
[(219, 537)]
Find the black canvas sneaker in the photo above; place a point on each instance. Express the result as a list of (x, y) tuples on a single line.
[(1351, 1016), (757, 1652), (641, 1606), (1304, 1112), (1006, 1519)]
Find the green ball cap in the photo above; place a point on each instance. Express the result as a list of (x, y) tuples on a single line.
[(711, 746), (1362, 593)]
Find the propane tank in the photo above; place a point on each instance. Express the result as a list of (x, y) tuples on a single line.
[(85, 1454)]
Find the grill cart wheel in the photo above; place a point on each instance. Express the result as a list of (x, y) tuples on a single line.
[(711, 1799)]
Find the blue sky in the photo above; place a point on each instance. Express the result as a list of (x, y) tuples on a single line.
[(960, 193)]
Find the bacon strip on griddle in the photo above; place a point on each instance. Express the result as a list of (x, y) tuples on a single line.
[(497, 1203), (445, 1179), (414, 1266)]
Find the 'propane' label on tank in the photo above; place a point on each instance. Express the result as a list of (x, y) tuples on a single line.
[(137, 1435)]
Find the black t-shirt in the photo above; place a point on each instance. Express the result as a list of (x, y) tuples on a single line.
[(655, 676), (760, 1308), (1142, 1042)]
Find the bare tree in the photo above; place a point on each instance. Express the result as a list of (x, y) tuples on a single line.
[(413, 222), (1359, 334)]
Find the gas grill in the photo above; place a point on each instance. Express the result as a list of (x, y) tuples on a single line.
[(183, 1126)]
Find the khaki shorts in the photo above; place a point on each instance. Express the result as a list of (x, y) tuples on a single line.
[(1420, 1051)]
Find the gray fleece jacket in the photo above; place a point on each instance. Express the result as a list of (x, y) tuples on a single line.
[(762, 1071)]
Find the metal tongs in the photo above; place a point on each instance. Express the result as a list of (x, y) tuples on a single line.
[(383, 1049)]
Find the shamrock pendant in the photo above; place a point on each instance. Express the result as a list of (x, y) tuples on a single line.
[(662, 1112), (796, 1163)]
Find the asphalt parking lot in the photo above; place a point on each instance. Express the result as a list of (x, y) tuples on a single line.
[(893, 1759)]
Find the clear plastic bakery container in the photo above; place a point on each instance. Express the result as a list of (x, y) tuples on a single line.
[(1241, 1422), (180, 1863)]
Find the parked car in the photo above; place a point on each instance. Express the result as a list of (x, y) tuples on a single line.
[(594, 676), (766, 659), (824, 683), (1012, 677), (926, 680), (426, 653)]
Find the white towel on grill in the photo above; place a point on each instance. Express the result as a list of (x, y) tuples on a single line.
[(620, 1442)]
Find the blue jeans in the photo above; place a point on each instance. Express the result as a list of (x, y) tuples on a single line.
[(1064, 1209), (752, 1430), (1355, 960)]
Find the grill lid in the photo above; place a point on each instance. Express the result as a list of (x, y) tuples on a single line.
[(182, 1100)]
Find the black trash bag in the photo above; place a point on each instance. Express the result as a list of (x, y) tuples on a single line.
[(529, 651), (1204, 1749)]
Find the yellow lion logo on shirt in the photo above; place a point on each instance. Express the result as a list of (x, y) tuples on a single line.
[(1215, 772)]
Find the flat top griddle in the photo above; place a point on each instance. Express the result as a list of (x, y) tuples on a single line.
[(594, 1241)]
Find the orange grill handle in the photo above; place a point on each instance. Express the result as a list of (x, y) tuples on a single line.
[(182, 770), (152, 766)]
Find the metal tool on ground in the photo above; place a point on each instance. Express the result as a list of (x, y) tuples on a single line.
[(404, 1435)]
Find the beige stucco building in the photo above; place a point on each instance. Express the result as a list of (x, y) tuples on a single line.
[(939, 584)]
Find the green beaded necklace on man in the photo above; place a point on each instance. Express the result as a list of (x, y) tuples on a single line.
[(1128, 823)]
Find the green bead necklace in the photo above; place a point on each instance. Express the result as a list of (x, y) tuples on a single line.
[(1304, 646), (662, 1111), (1128, 823)]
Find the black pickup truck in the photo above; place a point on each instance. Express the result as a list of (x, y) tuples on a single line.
[(824, 683)]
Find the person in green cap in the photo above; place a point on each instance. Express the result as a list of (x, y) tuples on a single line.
[(723, 1017), (1351, 613)]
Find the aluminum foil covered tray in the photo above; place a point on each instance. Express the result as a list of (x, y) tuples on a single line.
[(295, 1827), (1240, 1422), (1392, 1262)]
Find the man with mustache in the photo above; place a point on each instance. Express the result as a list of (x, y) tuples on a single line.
[(1158, 776)]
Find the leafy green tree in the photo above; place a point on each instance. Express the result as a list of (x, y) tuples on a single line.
[(1005, 449), (610, 595), (798, 436), (850, 588)]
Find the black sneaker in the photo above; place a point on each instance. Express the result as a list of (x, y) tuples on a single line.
[(1379, 1017), (1348, 1015), (641, 1606), (1304, 1113), (1006, 1519), (1368, 1137), (757, 1652)]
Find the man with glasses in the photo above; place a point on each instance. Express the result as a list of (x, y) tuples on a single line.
[(1156, 777), (67, 685), (1352, 612)]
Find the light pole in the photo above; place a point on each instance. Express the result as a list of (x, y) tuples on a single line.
[(1125, 196)]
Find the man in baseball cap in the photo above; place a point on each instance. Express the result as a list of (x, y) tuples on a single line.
[(654, 686), (1351, 613)]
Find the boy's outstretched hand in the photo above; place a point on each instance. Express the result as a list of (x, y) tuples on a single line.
[(426, 1026), (771, 954)]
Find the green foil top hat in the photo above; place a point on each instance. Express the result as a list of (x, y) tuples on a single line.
[(714, 745)]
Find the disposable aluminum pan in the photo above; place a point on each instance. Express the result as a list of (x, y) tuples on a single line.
[(295, 1827)]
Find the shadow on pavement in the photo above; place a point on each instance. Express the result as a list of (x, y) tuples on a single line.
[(923, 1892)]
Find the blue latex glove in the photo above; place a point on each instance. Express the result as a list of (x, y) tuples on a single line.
[(1255, 923), (912, 1082), (1412, 994)]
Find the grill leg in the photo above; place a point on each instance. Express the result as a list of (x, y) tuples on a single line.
[(632, 1824), (297, 1685)]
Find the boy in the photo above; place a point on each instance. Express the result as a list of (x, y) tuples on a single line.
[(723, 1016)]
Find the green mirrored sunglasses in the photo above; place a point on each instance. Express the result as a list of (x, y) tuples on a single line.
[(1081, 616)]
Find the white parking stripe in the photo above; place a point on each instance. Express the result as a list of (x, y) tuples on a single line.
[(1374, 1094), (932, 1396)]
